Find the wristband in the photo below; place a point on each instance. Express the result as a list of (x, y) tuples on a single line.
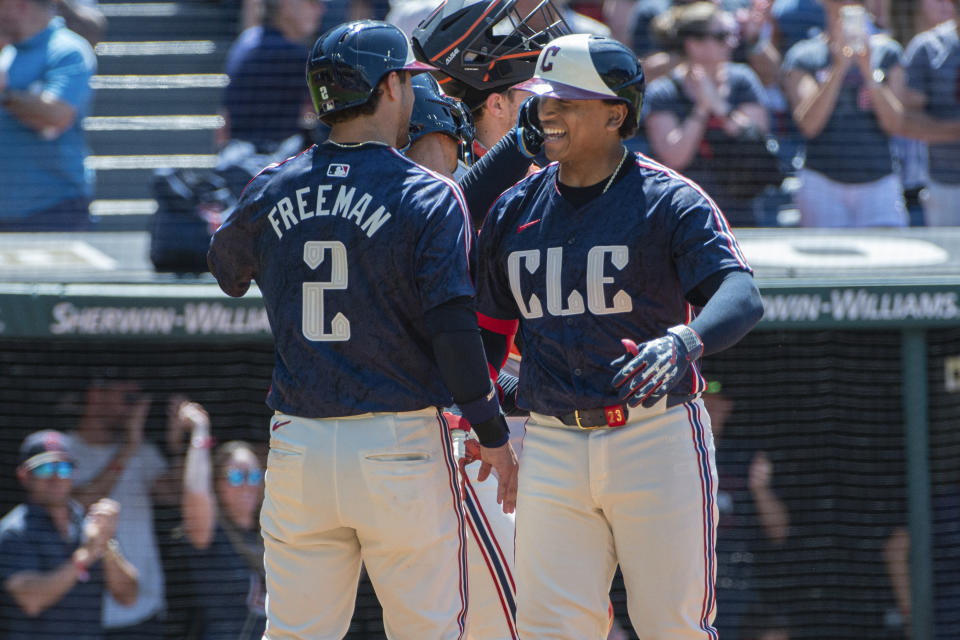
[(689, 339), (81, 571), (202, 442), (493, 432), (481, 409)]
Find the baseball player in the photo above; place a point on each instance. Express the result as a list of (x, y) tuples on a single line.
[(482, 49), (600, 259), (361, 257), (439, 125)]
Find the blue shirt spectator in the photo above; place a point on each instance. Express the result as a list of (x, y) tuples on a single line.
[(667, 94), (844, 88), (43, 182), (267, 97), (221, 500), (229, 593), (699, 111), (933, 73), (29, 541), (853, 127), (55, 562)]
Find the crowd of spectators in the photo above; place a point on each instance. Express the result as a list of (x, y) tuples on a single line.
[(83, 556), (851, 119)]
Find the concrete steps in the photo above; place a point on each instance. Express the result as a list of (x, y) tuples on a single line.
[(157, 90)]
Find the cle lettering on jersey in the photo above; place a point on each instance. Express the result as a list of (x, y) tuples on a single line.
[(596, 280), (322, 200)]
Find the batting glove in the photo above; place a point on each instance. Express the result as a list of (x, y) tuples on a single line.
[(529, 133), (647, 373)]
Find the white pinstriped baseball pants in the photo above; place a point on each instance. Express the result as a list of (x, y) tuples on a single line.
[(377, 488), (643, 495), (490, 549)]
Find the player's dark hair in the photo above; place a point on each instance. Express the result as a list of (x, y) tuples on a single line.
[(367, 108), (628, 128)]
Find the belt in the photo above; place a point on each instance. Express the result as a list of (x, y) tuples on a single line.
[(612, 416)]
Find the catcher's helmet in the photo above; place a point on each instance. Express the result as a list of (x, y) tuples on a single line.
[(349, 60), (434, 112), (485, 46), (588, 67)]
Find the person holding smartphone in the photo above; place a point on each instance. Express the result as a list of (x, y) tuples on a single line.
[(843, 87)]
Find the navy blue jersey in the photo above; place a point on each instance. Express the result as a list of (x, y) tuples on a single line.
[(579, 280), (350, 246)]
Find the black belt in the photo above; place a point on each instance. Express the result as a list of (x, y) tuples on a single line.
[(612, 416)]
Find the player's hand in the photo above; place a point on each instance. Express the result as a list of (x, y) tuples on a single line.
[(648, 372), (529, 133), (503, 461)]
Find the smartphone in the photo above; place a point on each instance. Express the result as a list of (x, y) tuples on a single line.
[(854, 20)]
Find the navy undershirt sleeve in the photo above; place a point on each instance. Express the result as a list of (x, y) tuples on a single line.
[(731, 307), (499, 169), (463, 364)]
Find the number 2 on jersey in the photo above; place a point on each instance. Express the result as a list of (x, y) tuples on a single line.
[(314, 253)]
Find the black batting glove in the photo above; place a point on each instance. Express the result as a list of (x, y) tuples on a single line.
[(528, 131), (647, 373)]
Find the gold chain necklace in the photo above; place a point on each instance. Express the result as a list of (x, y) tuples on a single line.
[(615, 171)]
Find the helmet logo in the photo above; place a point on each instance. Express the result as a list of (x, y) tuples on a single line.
[(453, 54), (545, 66)]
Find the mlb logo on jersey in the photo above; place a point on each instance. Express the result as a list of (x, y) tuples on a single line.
[(338, 170)]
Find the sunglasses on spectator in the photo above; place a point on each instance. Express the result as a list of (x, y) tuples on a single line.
[(62, 470), (719, 36), (236, 477)]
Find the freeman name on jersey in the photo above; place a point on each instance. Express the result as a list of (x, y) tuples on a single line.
[(289, 212)]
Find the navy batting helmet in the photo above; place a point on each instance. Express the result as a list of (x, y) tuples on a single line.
[(349, 60), (435, 112), (588, 67), (485, 46)]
